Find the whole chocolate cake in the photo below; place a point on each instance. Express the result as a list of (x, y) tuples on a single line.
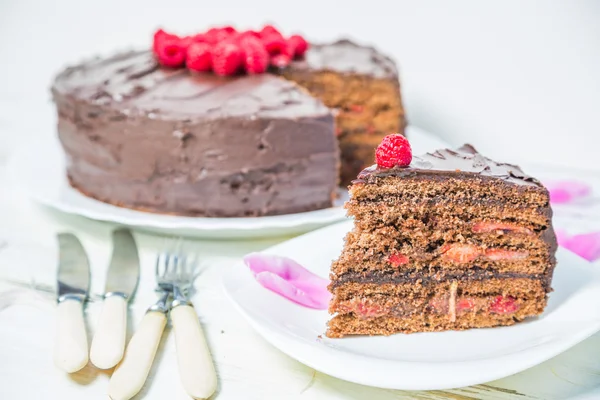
[(449, 241), (141, 135)]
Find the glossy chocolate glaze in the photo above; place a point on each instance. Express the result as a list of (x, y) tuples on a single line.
[(145, 137), (134, 83), (464, 161), (345, 56)]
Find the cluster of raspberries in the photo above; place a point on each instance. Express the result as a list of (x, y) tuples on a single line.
[(226, 51)]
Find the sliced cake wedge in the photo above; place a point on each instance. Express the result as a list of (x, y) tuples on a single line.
[(447, 241)]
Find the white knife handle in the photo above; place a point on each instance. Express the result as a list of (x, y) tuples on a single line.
[(71, 346), (130, 375), (108, 343), (196, 366)]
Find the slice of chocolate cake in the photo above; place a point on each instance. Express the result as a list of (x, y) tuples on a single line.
[(449, 241)]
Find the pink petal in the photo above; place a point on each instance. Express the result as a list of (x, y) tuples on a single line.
[(275, 283), (561, 236), (567, 191), (289, 279), (282, 266), (586, 245)]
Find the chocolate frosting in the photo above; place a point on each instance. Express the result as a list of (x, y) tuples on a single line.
[(163, 140), (345, 56), (460, 162), (134, 83), (434, 275)]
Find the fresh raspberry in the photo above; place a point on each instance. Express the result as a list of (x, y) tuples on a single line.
[(280, 60), (460, 253), (246, 40), (397, 259), (217, 35), (256, 57), (508, 255), (268, 30), (160, 37), (502, 227), (229, 29), (227, 58), (465, 304), (171, 53), (394, 150), (252, 32), (186, 41), (504, 305), (298, 45), (276, 44), (246, 34), (199, 38), (199, 57)]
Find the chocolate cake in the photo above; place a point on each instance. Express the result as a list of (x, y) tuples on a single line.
[(450, 242), (142, 136)]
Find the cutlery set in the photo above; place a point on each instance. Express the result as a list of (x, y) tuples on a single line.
[(174, 273)]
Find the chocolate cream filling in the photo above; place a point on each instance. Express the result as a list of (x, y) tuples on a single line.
[(434, 275)]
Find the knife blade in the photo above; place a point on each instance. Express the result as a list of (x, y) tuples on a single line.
[(108, 344), (73, 284)]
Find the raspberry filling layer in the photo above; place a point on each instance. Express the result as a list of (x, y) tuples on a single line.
[(500, 227), (452, 305), (463, 253)]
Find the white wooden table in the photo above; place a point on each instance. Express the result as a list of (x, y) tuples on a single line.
[(248, 367)]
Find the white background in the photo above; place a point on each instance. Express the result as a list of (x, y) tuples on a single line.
[(518, 78)]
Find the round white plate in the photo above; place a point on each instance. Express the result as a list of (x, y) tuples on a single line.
[(421, 361), (39, 168)]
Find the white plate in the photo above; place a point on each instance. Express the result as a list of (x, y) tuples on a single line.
[(421, 361), (39, 168)]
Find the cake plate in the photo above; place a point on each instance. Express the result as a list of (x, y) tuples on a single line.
[(39, 170), (419, 361)]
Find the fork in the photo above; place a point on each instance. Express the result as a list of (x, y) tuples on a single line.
[(196, 367), (174, 276), (131, 373)]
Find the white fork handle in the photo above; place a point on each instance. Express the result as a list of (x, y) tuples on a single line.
[(108, 343), (131, 374), (196, 366), (71, 346)]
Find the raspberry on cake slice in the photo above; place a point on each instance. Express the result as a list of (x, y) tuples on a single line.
[(446, 241)]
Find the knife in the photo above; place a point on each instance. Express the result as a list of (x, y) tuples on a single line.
[(108, 344), (73, 281)]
